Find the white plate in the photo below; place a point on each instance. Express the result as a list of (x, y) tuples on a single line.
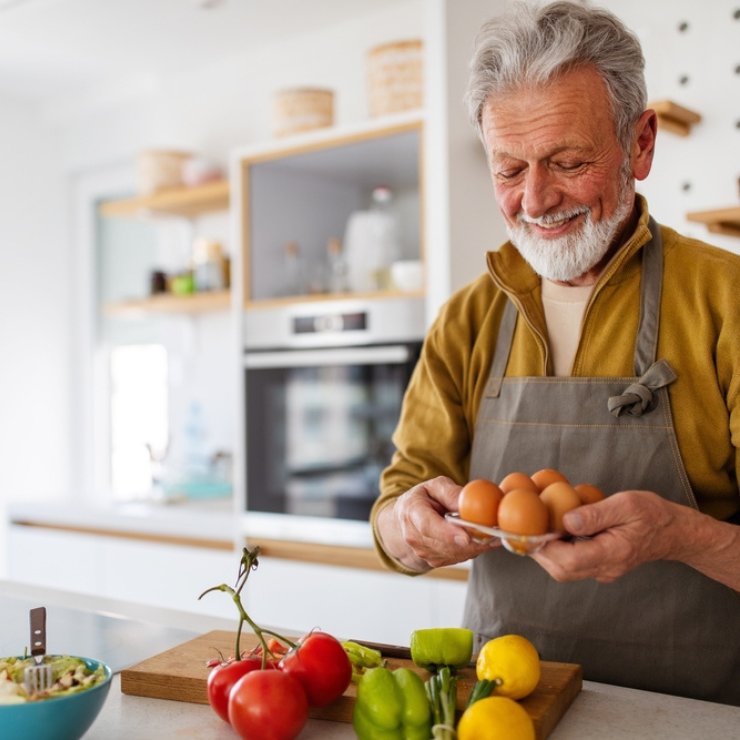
[(519, 544)]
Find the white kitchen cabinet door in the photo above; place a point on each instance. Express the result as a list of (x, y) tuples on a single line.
[(449, 602), (349, 603), (42, 557), (168, 575)]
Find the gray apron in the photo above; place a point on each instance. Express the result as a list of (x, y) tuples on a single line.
[(662, 627)]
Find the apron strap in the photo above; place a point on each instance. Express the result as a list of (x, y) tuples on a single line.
[(651, 288), (641, 398), (503, 348)]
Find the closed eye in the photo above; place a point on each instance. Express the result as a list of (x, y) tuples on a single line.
[(509, 174), (570, 166)]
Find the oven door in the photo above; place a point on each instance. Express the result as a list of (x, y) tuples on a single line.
[(319, 425)]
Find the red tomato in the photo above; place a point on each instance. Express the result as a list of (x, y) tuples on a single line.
[(268, 705), (321, 665), (223, 677), (275, 647)]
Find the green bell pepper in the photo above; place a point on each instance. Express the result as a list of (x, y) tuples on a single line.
[(391, 705), (437, 647), (361, 657)]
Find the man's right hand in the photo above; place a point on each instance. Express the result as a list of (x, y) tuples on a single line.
[(413, 530)]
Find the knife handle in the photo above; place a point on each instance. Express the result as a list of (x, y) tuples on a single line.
[(387, 651)]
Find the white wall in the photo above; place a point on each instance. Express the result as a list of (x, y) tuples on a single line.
[(34, 299), (699, 68), (230, 102)]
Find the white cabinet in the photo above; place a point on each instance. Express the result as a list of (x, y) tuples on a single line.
[(43, 557), (160, 574), (350, 603), (290, 595)]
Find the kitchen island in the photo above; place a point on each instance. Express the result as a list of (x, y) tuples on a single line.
[(123, 633)]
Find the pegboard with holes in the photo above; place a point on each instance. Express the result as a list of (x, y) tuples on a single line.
[(692, 56)]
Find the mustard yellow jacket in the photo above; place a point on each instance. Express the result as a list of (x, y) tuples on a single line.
[(699, 335)]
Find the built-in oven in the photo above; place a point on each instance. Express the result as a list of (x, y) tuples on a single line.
[(323, 391)]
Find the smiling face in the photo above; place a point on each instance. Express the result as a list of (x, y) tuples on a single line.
[(562, 181)]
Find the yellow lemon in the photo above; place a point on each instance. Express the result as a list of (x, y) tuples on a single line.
[(495, 718), (512, 662)]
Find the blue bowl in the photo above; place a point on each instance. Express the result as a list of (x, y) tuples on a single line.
[(60, 718)]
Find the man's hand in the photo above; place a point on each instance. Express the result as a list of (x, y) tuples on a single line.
[(635, 527), (413, 529)]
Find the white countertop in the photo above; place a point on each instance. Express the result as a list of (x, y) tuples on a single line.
[(600, 711), (211, 519)]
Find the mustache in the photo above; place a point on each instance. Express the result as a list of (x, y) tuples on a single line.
[(551, 218)]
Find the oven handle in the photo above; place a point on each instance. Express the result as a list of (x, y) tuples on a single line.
[(394, 354)]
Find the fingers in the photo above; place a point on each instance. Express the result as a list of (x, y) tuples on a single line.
[(625, 530), (420, 515), (580, 560)]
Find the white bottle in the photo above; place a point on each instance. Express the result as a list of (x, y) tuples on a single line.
[(372, 243)]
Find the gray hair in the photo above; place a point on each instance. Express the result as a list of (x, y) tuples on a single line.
[(532, 45)]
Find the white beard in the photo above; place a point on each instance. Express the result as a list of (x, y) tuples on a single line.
[(567, 257)]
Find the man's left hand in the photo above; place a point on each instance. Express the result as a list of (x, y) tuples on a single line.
[(623, 531)]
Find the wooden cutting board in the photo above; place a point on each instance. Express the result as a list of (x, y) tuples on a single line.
[(181, 674)]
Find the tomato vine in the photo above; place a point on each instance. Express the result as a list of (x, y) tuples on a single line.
[(249, 562)]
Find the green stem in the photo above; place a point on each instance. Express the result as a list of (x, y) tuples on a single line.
[(247, 564), (481, 690), (441, 690)]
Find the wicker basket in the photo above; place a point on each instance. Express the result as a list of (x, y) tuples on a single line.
[(303, 109), (396, 77), (160, 170)]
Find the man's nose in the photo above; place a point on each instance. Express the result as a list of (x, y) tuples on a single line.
[(540, 192)]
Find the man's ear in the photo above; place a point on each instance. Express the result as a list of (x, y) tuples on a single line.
[(643, 145)]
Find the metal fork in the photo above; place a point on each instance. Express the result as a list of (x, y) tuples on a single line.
[(38, 677)]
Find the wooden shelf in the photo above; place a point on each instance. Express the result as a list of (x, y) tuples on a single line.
[(188, 202), (674, 118), (217, 300), (721, 221)]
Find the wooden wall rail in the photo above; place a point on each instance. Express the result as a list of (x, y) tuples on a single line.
[(348, 557), (164, 539), (305, 552)]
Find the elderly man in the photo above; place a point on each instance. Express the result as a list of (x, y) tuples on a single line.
[(600, 344)]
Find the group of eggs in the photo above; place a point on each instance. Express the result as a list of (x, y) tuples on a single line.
[(524, 505)]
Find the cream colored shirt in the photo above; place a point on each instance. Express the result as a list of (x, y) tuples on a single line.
[(564, 308)]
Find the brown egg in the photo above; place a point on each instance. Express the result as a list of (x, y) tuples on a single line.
[(543, 478), (521, 511), (518, 480), (559, 498), (589, 494), (479, 501)]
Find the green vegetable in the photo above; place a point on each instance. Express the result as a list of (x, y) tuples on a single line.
[(391, 705), (441, 689), (481, 690), (362, 658), (443, 646)]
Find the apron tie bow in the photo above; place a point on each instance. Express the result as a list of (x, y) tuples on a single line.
[(638, 398), (636, 401)]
